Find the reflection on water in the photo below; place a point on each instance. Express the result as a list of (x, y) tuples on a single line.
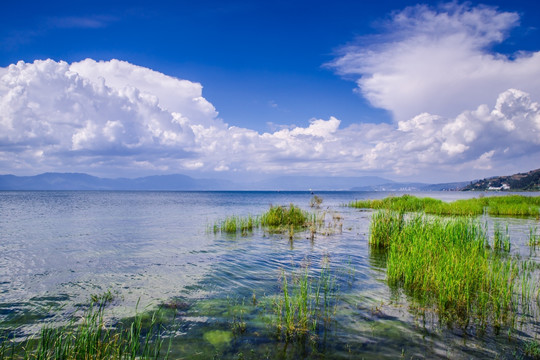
[(58, 248)]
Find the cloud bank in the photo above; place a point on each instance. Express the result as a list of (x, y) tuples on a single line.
[(114, 118), (438, 60), (460, 112)]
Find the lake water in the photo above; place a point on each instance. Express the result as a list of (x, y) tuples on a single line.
[(152, 248)]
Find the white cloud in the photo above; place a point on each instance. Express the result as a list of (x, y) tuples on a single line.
[(171, 94), (438, 60), (114, 119), (47, 106)]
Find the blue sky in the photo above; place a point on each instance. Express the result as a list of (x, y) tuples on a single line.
[(276, 66)]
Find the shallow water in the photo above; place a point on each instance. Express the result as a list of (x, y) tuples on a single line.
[(152, 248)]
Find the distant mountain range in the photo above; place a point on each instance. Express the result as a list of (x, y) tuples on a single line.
[(78, 181), (529, 181)]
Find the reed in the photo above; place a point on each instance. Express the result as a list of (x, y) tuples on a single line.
[(534, 238), (445, 264), (283, 216), (276, 219), (237, 224), (532, 349), (90, 337), (305, 304), (501, 241), (514, 205)]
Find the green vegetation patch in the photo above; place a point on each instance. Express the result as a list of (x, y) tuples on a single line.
[(285, 216), (234, 224), (90, 337), (514, 205), (218, 338), (449, 265), (306, 303), (276, 219)]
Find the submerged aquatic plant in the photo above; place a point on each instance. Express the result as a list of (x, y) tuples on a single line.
[(445, 263)]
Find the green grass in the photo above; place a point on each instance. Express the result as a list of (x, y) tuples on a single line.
[(501, 241), (305, 304), (448, 265), (90, 337), (514, 205), (532, 349), (237, 224), (276, 219), (534, 238), (285, 216)]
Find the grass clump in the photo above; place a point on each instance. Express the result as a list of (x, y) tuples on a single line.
[(90, 337), (276, 219), (315, 201), (501, 241), (237, 224), (534, 238), (306, 303), (283, 216), (446, 264), (532, 349), (515, 205)]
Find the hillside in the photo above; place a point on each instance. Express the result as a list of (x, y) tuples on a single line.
[(518, 182)]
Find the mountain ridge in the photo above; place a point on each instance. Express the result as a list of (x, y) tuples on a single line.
[(179, 182)]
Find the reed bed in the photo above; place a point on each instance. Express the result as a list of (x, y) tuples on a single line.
[(514, 205), (278, 216), (448, 265), (276, 219), (90, 337)]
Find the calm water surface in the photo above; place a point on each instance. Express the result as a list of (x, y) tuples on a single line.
[(59, 248)]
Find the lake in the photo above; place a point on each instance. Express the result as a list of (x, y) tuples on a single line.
[(157, 249)]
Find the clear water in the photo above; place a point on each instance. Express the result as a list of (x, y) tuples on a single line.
[(152, 248)]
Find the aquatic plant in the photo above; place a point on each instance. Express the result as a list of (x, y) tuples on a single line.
[(234, 224), (102, 299), (315, 201), (305, 302), (534, 238), (90, 337), (501, 242), (276, 219), (515, 205), (532, 349), (445, 264), (283, 216)]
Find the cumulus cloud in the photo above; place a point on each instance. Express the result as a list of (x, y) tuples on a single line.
[(51, 114), (439, 60), (178, 96), (117, 119)]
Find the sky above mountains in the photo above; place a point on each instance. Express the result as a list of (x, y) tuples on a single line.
[(429, 92)]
